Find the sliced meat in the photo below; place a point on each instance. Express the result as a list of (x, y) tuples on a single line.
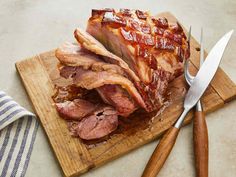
[(74, 55), (101, 123), (97, 66), (93, 79), (76, 109), (118, 98), (91, 44)]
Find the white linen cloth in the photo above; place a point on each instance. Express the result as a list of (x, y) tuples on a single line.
[(18, 128)]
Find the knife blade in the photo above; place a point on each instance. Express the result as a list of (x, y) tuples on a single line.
[(204, 75), (207, 71)]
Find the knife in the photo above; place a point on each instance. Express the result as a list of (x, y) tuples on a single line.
[(198, 87)]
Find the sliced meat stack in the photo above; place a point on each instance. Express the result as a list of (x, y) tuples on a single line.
[(127, 58)]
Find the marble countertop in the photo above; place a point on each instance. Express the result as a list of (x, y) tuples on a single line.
[(31, 27)]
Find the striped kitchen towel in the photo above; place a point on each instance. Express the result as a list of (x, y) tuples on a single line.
[(18, 128)]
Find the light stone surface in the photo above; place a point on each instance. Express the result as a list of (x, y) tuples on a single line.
[(31, 27)]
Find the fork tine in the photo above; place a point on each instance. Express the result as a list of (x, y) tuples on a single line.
[(189, 34), (187, 75), (188, 40), (201, 48)]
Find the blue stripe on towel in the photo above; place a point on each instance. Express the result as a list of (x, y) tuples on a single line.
[(2, 95), (7, 108), (13, 145), (22, 147), (5, 101), (30, 149), (5, 142), (22, 140), (11, 115)]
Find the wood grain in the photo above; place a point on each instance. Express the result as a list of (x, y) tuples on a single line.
[(200, 138), (39, 74)]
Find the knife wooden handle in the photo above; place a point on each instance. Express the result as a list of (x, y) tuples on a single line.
[(200, 138), (161, 153)]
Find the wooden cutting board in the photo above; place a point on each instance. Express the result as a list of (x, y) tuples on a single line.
[(39, 74)]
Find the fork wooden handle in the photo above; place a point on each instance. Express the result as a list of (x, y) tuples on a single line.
[(161, 153), (200, 137)]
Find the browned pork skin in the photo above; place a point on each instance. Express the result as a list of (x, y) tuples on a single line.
[(153, 48)]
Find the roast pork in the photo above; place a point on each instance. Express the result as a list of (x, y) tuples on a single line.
[(127, 57)]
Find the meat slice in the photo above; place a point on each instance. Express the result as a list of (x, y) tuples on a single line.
[(118, 98), (152, 47), (76, 109), (91, 44), (101, 123), (74, 55), (94, 79), (70, 54)]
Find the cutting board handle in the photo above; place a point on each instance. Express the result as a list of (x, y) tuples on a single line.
[(161, 153)]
